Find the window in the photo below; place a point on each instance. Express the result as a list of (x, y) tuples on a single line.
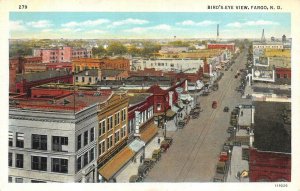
[(92, 154), (85, 138), (123, 131), (109, 142), (19, 160), (76, 79), (131, 125), (79, 164), (85, 159), (123, 114), (109, 123), (117, 118), (101, 147), (59, 165), (285, 75), (278, 75), (39, 163), (90, 79), (19, 180), (39, 142), (158, 107), (10, 159), (20, 140), (10, 179), (10, 138), (82, 79), (92, 134), (59, 143), (78, 142), (37, 181), (102, 127), (117, 136)]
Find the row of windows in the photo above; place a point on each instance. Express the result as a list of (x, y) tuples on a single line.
[(20, 180), (108, 143), (39, 142), (40, 163), (83, 79), (280, 76), (107, 125), (83, 160), (88, 135)]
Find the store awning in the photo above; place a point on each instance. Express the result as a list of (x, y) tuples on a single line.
[(116, 163), (149, 133), (136, 145), (170, 113)]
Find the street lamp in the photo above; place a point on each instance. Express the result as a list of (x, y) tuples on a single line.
[(165, 126)]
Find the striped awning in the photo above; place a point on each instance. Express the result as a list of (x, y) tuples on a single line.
[(116, 163)]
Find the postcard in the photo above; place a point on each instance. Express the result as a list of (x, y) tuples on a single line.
[(160, 95)]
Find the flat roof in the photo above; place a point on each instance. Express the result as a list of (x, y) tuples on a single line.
[(137, 98), (245, 117), (270, 131), (29, 77)]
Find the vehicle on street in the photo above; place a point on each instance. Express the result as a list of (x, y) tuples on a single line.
[(223, 157), (164, 146), (214, 104), (230, 129), (181, 124), (226, 109), (221, 172), (136, 178), (169, 140), (215, 86), (156, 154), (150, 162), (143, 170)]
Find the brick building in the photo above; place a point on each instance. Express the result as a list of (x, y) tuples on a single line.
[(229, 46), (61, 54), (270, 146), (82, 64)]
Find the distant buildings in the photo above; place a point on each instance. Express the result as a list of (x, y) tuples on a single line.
[(229, 46), (61, 54), (173, 49)]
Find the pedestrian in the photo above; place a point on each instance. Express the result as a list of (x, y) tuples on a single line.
[(158, 140)]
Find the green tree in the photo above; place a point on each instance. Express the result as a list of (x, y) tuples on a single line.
[(116, 48), (98, 52), (178, 43), (150, 49), (134, 51)]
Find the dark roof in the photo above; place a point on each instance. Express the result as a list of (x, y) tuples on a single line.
[(271, 133), (137, 98), (272, 90), (282, 81), (30, 77), (155, 89), (92, 72), (110, 72)]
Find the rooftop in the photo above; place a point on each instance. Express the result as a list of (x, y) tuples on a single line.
[(110, 72), (92, 72), (137, 98), (272, 129), (29, 77), (276, 91), (72, 102)]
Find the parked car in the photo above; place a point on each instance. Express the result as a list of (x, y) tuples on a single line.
[(169, 140), (150, 162), (223, 157), (156, 154), (143, 170), (214, 104), (181, 124), (230, 129), (226, 109), (164, 146), (136, 178)]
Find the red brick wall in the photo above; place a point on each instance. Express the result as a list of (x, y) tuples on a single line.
[(283, 71), (12, 77), (269, 166), (221, 46)]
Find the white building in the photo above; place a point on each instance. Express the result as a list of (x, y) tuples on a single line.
[(177, 65), (273, 45), (53, 146)]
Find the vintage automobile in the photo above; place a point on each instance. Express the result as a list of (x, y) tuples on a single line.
[(181, 124), (156, 154), (150, 162), (164, 146), (136, 178), (223, 157), (230, 130), (221, 172), (143, 170), (226, 109), (214, 104), (169, 140)]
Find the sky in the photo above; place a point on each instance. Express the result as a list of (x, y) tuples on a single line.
[(139, 25)]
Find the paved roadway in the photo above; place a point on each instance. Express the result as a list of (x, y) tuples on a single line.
[(194, 153)]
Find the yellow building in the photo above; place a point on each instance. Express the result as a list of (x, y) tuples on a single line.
[(277, 53), (112, 128)]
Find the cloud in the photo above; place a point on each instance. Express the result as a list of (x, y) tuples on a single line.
[(88, 23), (96, 31), (130, 21), (252, 23), (193, 23), (17, 26), (47, 30), (163, 27), (40, 24)]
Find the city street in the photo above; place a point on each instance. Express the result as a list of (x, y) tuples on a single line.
[(194, 153)]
